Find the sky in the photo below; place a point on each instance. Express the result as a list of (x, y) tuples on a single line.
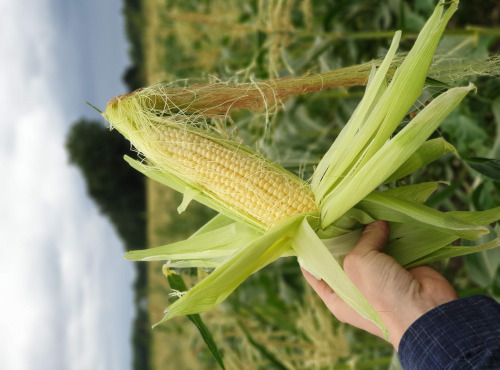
[(66, 290)]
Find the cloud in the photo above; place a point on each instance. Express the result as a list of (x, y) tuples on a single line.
[(66, 290)]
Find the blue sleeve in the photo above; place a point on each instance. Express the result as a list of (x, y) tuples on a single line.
[(462, 334)]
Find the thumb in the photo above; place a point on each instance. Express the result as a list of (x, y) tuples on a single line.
[(374, 238)]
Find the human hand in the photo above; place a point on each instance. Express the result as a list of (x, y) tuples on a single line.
[(400, 296)]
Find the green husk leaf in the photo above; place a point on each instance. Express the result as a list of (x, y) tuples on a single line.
[(214, 289), (453, 251), (477, 218), (414, 193), (436, 199), (215, 223), (212, 244), (205, 263), (385, 207), (409, 243), (349, 153), (189, 195), (362, 180), (316, 259), (349, 220), (334, 161), (340, 245), (433, 82), (428, 152)]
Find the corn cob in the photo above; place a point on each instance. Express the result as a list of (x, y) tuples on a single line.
[(236, 176)]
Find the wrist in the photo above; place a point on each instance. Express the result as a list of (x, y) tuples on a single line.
[(402, 317)]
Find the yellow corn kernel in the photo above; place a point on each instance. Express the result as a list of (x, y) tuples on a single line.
[(242, 181)]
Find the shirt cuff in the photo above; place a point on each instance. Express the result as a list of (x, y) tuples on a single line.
[(452, 333)]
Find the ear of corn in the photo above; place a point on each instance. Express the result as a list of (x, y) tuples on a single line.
[(238, 179), (267, 212)]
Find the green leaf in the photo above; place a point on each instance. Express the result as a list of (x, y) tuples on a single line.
[(477, 218), (340, 155), (408, 81), (428, 152), (348, 221), (385, 207), (436, 199), (485, 166), (454, 251), (343, 244), (215, 223), (495, 285), (414, 193), (483, 266), (221, 282), (375, 120), (217, 243), (177, 282), (189, 195), (486, 195), (409, 243), (363, 179)]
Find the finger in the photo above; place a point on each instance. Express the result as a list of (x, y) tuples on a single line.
[(341, 310), (374, 238), (319, 286)]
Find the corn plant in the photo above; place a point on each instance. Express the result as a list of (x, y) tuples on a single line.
[(266, 212)]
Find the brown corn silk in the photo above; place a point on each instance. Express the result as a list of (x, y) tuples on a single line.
[(222, 98)]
